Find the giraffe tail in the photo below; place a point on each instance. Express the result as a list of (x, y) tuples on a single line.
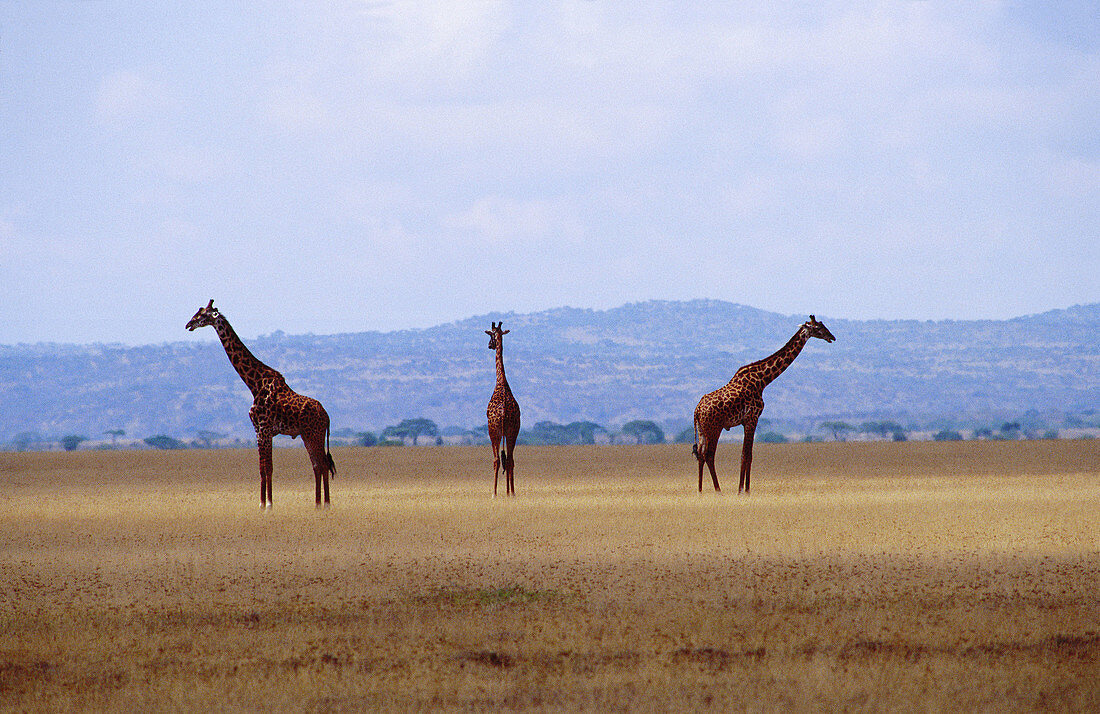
[(328, 456), (695, 446)]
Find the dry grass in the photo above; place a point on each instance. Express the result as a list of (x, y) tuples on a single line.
[(856, 577)]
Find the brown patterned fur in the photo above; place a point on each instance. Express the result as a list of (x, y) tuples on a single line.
[(276, 408), (741, 402), (503, 416)]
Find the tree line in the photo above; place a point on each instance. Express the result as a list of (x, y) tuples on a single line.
[(422, 431)]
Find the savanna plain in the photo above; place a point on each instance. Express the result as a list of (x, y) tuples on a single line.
[(856, 577)]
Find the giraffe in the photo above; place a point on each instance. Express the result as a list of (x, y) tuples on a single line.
[(741, 401), (503, 416), (276, 408)]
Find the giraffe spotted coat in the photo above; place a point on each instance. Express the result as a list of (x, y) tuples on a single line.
[(502, 414), (276, 408), (741, 402)]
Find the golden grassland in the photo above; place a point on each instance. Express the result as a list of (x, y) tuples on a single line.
[(916, 576)]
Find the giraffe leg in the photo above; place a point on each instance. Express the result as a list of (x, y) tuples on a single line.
[(263, 443), (701, 459), (495, 441), (315, 446), (259, 414), (746, 458), (711, 451), (510, 464), (270, 486)]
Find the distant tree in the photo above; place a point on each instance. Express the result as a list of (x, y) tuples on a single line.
[(772, 437), (25, 440), (115, 433), (687, 436), (548, 432), (543, 432), (412, 429), (881, 429), (70, 442), (646, 432), (947, 435), (1032, 421), (163, 441), (1010, 430), (366, 438), (345, 433), (984, 432), (462, 435), (874, 428), (838, 429), (204, 439), (899, 436), (583, 432)]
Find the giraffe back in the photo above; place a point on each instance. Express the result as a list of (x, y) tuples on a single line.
[(503, 410), (738, 401), (284, 411)]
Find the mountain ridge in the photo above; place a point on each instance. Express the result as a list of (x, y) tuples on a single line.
[(643, 360)]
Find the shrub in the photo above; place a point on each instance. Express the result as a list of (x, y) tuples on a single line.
[(646, 432), (548, 432), (70, 442), (163, 441)]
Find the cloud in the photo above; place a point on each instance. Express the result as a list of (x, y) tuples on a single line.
[(128, 98), (495, 221), (298, 107), (423, 45), (760, 152)]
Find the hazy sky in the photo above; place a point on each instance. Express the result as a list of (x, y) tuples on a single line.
[(347, 166)]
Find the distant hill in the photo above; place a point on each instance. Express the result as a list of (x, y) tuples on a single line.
[(649, 360)]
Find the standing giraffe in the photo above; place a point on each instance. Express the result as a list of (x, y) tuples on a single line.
[(276, 409), (742, 400), (503, 416)]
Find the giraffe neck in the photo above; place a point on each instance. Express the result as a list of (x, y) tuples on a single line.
[(771, 367), (502, 381), (251, 370)]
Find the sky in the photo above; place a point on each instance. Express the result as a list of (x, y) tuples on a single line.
[(370, 165)]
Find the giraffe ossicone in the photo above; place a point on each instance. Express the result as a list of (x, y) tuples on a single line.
[(741, 402), (276, 408)]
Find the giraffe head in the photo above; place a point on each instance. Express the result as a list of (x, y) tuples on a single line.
[(495, 334), (817, 329), (205, 316)]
